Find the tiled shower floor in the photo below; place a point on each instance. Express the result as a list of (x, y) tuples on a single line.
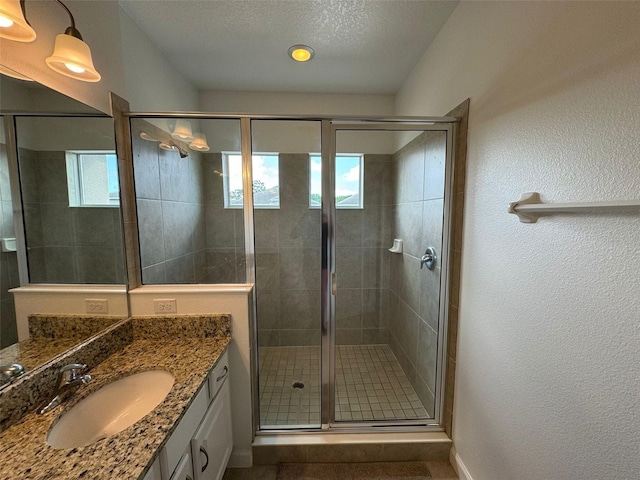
[(370, 385)]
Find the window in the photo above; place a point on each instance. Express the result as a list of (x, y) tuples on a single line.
[(266, 180), (349, 175), (92, 179)]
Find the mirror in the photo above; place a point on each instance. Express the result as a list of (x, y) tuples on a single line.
[(69, 199)]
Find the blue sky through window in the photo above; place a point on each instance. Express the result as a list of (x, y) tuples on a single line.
[(348, 178)]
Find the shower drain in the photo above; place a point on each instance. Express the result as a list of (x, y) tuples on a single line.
[(297, 385)]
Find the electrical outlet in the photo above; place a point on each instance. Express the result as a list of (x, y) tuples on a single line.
[(164, 305), (96, 305)]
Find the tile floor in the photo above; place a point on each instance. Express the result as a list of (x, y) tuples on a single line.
[(370, 385), (439, 471)]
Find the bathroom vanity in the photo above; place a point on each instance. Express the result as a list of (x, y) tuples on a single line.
[(187, 436)]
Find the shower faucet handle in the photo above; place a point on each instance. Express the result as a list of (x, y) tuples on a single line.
[(429, 259)]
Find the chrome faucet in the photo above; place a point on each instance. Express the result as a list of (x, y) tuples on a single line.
[(9, 372), (70, 377)]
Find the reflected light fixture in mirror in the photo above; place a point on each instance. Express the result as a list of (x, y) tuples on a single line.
[(13, 24), (182, 131), (199, 143)]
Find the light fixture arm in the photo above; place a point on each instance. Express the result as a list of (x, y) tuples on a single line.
[(72, 30), (24, 11)]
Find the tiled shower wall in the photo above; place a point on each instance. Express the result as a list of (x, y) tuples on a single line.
[(414, 292), (66, 244), (288, 242), (8, 260), (224, 228)]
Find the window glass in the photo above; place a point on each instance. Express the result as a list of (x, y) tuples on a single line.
[(349, 175), (266, 180), (92, 179)]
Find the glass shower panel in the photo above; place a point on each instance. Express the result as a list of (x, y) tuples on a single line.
[(386, 306), (188, 183), (287, 220)]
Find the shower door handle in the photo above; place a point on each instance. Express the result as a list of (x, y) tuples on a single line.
[(334, 283)]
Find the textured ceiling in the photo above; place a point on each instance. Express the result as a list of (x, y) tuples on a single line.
[(362, 46)]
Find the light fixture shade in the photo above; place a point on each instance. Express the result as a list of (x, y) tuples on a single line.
[(167, 146), (147, 137), (199, 143), (13, 24), (72, 57), (182, 131)]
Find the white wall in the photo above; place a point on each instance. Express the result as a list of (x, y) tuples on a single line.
[(549, 346), (297, 137), (151, 82)]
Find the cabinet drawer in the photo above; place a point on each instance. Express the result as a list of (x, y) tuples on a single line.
[(218, 375)]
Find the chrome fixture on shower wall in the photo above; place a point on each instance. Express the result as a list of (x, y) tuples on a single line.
[(428, 259), (71, 55)]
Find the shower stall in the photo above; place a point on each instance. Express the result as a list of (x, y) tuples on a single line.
[(349, 333)]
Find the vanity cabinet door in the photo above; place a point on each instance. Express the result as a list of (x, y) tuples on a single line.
[(184, 470), (154, 472), (211, 445)]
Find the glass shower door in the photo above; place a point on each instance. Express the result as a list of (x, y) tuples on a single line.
[(287, 221), (389, 191)]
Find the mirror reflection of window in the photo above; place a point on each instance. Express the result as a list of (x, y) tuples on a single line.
[(92, 179), (266, 180)]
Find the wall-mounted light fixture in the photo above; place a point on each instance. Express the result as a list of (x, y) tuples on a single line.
[(13, 24), (71, 56)]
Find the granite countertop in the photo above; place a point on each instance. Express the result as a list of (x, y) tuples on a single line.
[(50, 335), (128, 454)]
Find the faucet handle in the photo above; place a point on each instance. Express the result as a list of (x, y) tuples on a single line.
[(71, 373), (82, 367)]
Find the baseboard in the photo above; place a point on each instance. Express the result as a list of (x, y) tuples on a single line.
[(458, 465), (241, 458)]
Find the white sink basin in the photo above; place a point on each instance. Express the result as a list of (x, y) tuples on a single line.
[(111, 409)]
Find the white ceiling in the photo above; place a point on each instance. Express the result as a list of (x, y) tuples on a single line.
[(361, 46)]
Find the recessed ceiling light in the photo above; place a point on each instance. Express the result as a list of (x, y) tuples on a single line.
[(301, 53)]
